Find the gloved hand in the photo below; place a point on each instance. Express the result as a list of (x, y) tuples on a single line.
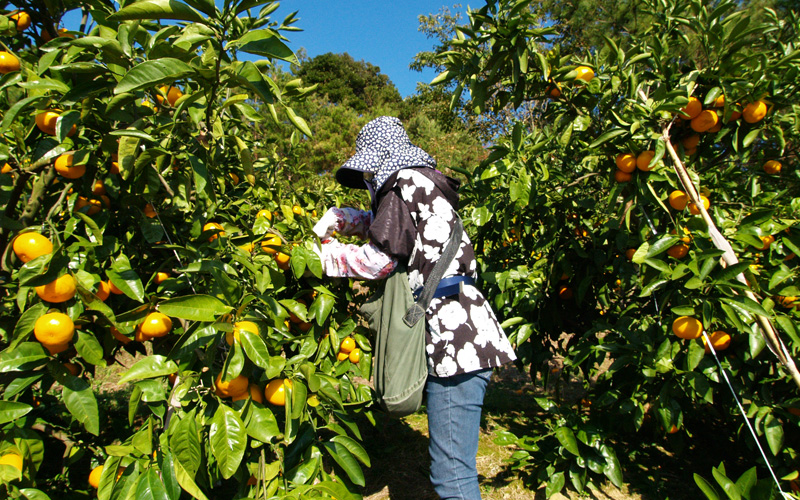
[(328, 223)]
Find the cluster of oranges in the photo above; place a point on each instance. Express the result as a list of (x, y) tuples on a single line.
[(582, 73), (629, 162), (687, 327), (348, 350), (240, 388)]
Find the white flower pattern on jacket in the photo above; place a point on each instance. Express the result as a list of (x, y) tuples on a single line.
[(463, 332)]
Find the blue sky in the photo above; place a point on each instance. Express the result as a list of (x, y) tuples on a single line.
[(383, 33)]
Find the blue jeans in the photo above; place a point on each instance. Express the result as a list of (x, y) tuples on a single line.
[(454, 420)]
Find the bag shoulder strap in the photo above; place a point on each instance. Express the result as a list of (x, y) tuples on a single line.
[(417, 310)]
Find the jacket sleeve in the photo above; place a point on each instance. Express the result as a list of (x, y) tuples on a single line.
[(354, 261), (393, 229)]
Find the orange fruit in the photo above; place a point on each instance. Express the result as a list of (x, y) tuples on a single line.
[(673, 429), (234, 387), (298, 210), (772, 167), (715, 128), (643, 160), (103, 290), (347, 345), (60, 289), (123, 339), (626, 162), (234, 178), (8, 62), (99, 188), (564, 292), (172, 93), (755, 111), (211, 226), (687, 238), (719, 339), (585, 73), (12, 459), (114, 289), (149, 211), (28, 246), (678, 251), (554, 91), (719, 101), (275, 391), (678, 199), (264, 213), (691, 142), (355, 355), (46, 121), (6, 169), (767, 241), (54, 329), (692, 109), (341, 356), (687, 327), (94, 205), (283, 260), (629, 253), (66, 169), (73, 368), (694, 209), (23, 20), (161, 277), (114, 168), (271, 244), (155, 324), (94, 476), (621, 176), (706, 120), (247, 326), (255, 393)]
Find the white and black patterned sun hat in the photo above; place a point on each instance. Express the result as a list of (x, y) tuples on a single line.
[(382, 147)]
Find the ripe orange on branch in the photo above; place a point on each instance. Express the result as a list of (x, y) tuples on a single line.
[(239, 326), (155, 324), (705, 121), (694, 209), (8, 62), (584, 73), (172, 93), (211, 226), (772, 167), (60, 289), (65, 167), (678, 200), (687, 327), (621, 176), (719, 339), (28, 246), (692, 109), (644, 159), (678, 251), (12, 459), (54, 329), (275, 392), (755, 111), (626, 162), (235, 387), (23, 20)]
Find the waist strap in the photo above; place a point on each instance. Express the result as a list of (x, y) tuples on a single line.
[(448, 286)]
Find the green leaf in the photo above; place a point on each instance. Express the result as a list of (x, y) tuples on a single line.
[(298, 122), (706, 487), (567, 439), (262, 424), (481, 215), (185, 445), (353, 447), (79, 399), (342, 456), (745, 304), (151, 73), (321, 308), (90, 349), (774, 432), (728, 486), (150, 487), (26, 356), (555, 484), (607, 136), (194, 307), (228, 440), (254, 348), (266, 43), (186, 481), (12, 410), (150, 367), (157, 9)]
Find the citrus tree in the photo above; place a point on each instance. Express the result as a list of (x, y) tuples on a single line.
[(642, 205), (145, 213)]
